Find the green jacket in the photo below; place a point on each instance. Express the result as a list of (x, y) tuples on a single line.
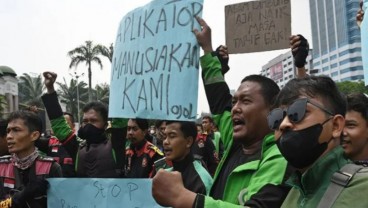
[(247, 179), (309, 188)]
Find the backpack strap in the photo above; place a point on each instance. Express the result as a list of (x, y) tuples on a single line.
[(339, 180)]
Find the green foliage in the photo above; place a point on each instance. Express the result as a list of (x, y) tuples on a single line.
[(349, 87), (108, 52), (87, 53), (68, 94), (3, 105), (101, 93), (30, 90)]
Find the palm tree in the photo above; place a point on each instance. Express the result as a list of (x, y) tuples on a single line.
[(101, 93), (86, 53), (30, 90), (107, 51), (68, 95), (3, 105)]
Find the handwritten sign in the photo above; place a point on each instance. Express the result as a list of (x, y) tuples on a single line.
[(98, 192), (258, 26), (156, 59)]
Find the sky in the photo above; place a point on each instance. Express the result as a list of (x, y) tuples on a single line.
[(35, 36)]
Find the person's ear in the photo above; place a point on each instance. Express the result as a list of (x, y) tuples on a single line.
[(190, 141), (338, 124), (35, 135)]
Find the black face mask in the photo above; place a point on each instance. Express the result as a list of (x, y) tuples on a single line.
[(301, 148), (91, 134)]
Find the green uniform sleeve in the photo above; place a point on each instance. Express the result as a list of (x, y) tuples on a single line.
[(219, 100), (218, 95), (211, 69), (209, 202), (61, 129), (225, 125), (119, 123)]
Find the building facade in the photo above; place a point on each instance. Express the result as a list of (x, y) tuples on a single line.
[(281, 69), (336, 39), (9, 90)]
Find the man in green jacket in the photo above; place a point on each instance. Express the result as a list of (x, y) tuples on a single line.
[(252, 170), (308, 125)]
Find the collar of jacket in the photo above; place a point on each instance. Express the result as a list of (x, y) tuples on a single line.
[(183, 164), (318, 176)]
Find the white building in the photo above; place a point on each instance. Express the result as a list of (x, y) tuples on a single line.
[(281, 69), (336, 39)]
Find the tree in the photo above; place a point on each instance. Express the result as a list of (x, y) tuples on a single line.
[(68, 96), (87, 53), (348, 87), (102, 93), (107, 52), (30, 90), (3, 105)]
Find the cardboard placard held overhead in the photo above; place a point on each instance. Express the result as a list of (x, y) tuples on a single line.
[(258, 26)]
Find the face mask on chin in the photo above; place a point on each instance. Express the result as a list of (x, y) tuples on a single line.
[(91, 134), (301, 148)]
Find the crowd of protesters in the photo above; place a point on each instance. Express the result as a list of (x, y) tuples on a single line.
[(305, 145)]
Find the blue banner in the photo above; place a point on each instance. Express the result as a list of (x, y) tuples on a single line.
[(99, 192), (156, 62)]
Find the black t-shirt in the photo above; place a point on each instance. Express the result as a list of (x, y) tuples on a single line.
[(236, 158)]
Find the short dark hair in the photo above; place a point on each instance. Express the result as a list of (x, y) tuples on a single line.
[(98, 107), (210, 119), (142, 123), (358, 102), (30, 119), (313, 86), (269, 89), (158, 123), (70, 115), (188, 128)]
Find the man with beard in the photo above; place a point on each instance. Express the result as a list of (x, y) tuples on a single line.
[(252, 170), (95, 155), (308, 124)]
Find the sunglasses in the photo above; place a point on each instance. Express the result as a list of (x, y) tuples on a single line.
[(295, 112)]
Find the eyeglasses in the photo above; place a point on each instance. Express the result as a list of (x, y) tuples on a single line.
[(295, 112)]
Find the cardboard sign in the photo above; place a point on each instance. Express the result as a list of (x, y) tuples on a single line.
[(156, 61), (258, 26), (100, 192)]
